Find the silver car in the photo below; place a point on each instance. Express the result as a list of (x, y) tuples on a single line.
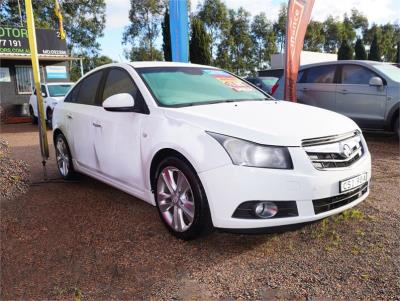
[(366, 91)]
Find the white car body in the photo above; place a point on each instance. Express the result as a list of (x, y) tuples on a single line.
[(49, 102), (119, 148)]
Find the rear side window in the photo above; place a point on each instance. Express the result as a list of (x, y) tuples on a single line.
[(321, 75), (88, 89), (119, 81), (356, 75)]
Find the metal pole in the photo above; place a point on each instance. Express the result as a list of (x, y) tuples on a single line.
[(44, 146)]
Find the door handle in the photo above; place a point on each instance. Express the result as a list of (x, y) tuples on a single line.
[(69, 116), (343, 91), (304, 89), (96, 125)]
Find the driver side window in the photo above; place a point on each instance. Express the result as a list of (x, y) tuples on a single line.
[(119, 81), (356, 75)]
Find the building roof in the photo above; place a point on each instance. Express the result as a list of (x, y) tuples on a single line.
[(61, 58)]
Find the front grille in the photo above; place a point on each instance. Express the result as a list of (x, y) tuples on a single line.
[(326, 204), (337, 151)]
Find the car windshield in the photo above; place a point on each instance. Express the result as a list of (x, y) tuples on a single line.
[(185, 86), (59, 90), (391, 71)]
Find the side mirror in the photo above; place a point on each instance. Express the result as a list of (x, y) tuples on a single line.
[(122, 102), (376, 81), (44, 94)]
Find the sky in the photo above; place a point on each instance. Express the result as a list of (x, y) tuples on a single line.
[(380, 12)]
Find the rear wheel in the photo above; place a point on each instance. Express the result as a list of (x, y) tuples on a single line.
[(63, 157), (397, 127), (181, 200), (33, 117)]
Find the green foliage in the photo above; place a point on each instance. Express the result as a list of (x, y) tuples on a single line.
[(332, 31), (263, 37), (199, 46), (242, 44), (345, 51), (214, 14), (89, 63), (166, 37), (374, 52), (314, 39), (359, 20), (84, 21), (145, 18), (359, 49), (280, 27)]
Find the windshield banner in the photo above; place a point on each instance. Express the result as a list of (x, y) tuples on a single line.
[(299, 12)]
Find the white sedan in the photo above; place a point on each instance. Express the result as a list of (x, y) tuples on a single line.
[(209, 149), (52, 93)]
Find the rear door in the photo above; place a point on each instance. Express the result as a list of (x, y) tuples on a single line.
[(117, 135), (80, 109), (358, 100), (317, 87)]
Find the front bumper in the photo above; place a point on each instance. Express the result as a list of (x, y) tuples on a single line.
[(228, 186)]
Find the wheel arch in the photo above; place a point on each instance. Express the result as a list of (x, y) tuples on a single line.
[(56, 132), (161, 155)]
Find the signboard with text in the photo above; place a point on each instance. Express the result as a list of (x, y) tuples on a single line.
[(15, 40)]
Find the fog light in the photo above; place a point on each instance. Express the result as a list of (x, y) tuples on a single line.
[(265, 209)]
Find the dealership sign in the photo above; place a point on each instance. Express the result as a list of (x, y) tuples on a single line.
[(15, 40)]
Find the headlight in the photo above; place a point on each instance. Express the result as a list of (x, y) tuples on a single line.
[(246, 153)]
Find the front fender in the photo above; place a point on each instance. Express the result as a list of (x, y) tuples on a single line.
[(199, 148)]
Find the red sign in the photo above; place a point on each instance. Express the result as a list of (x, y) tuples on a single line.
[(299, 12)]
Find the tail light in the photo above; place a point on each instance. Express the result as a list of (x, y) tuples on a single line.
[(274, 88)]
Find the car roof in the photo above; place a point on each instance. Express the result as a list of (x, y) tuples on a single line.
[(342, 62)]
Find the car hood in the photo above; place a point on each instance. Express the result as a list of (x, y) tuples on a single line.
[(265, 122)]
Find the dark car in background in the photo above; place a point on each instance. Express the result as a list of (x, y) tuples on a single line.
[(264, 83), (366, 91)]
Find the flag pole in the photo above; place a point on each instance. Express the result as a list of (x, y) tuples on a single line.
[(44, 146)]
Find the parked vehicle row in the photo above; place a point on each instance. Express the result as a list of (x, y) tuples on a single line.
[(208, 149), (367, 92)]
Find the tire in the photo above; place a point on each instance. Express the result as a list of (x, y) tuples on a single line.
[(63, 156), (31, 112), (49, 118), (184, 210)]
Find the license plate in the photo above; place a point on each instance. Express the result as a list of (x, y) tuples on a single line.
[(352, 183)]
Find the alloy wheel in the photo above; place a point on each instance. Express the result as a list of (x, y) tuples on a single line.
[(175, 199), (63, 158)]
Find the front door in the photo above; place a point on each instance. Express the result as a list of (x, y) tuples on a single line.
[(118, 134), (359, 101)]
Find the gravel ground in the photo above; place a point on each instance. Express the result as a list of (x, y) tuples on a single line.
[(13, 174), (88, 240)]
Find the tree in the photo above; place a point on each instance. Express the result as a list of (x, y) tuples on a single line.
[(347, 31), (345, 51), (314, 39), (263, 37), (214, 14), (280, 27), (145, 19), (359, 49), (139, 53), (332, 28), (89, 63), (359, 20), (166, 37), (242, 45), (84, 21), (374, 52), (199, 46), (398, 53)]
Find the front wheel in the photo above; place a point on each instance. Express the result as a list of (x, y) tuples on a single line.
[(63, 157), (181, 200)]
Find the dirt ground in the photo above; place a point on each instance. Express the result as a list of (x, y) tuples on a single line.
[(86, 240)]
